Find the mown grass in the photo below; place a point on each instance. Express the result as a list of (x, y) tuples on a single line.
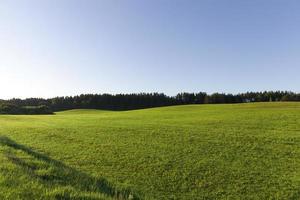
[(241, 151)]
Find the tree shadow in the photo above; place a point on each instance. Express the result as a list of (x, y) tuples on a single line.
[(62, 175)]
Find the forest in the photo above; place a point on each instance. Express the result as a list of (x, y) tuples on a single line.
[(135, 101)]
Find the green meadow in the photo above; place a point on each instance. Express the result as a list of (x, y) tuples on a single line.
[(232, 151)]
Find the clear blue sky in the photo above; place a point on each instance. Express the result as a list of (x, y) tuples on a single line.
[(66, 47)]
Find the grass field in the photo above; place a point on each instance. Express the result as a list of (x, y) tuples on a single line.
[(241, 151)]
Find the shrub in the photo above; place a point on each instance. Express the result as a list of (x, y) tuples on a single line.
[(9, 108)]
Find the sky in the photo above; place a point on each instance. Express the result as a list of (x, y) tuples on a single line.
[(67, 47)]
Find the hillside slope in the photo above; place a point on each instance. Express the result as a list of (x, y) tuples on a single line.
[(240, 151)]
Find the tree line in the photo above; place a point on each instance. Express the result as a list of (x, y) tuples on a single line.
[(135, 101)]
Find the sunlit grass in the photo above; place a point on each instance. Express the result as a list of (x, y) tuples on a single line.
[(241, 151)]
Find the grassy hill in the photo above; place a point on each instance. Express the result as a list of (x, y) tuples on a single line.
[(241, 151)]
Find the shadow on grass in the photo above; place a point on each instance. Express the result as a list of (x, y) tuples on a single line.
[(58, 173)]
